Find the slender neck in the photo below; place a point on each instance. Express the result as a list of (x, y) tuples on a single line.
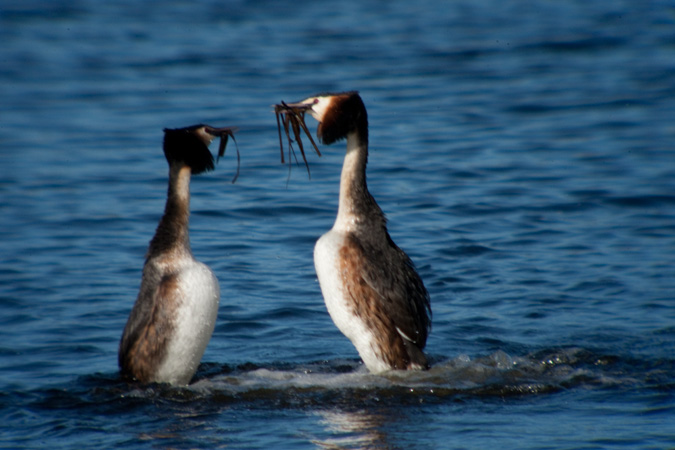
[(172, 232), (357, 208)]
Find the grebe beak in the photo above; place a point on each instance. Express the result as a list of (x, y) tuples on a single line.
[(224, 133), (297, 107)]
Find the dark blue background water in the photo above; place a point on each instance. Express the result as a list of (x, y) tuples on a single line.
[(523, 152)]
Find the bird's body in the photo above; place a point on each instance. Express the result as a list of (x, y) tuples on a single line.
[(171, 325), (370, 286), (175, 312)]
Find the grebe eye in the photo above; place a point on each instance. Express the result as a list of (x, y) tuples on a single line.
[(316, 100)]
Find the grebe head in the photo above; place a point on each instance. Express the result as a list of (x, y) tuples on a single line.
[(338, 114), (190, 146)]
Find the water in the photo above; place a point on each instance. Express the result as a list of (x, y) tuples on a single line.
[(523, 152)]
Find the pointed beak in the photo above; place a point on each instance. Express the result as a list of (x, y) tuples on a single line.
[(220, 132), (297, 107), (224, 133)]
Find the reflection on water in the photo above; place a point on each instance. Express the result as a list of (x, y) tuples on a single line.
[(352, 429)]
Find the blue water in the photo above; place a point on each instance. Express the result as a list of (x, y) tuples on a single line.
[(523, 152)]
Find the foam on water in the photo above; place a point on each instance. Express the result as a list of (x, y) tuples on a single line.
[(496, 375)]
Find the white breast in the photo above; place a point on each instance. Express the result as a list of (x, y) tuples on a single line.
[(194, 323), (331, 280)]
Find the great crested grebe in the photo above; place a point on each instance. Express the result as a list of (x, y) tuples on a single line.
[(371, 288), (175, 312)]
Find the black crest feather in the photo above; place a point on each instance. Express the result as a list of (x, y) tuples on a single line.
[(183, 145)]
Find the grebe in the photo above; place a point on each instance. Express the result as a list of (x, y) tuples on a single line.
[(371, 288), (175, 312)]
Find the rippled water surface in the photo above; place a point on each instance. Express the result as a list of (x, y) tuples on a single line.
[(523, 152)]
